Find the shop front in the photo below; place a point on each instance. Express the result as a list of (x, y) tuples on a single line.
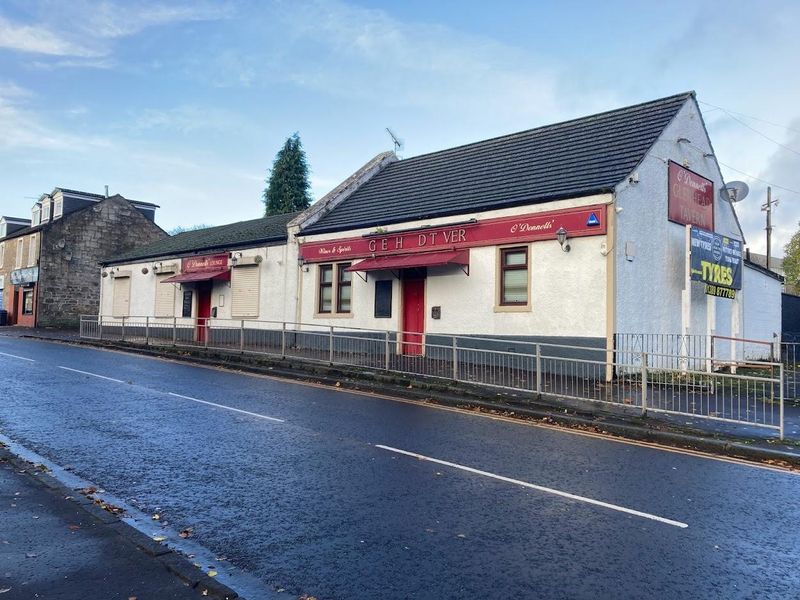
[(458, 275), (197, 280), (22, 304)]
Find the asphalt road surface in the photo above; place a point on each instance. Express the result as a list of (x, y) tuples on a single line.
[(340, 495)]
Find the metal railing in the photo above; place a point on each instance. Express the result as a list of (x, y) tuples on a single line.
[(745, 393)]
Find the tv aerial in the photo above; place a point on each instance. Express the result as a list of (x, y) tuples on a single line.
[(398, 143), (734, 191)]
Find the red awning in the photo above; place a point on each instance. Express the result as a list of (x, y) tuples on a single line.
[(409, 261), (201, 276)]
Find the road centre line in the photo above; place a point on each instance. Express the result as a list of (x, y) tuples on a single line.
[(239, 410), (92, 374), (540, 488), (15, 356)]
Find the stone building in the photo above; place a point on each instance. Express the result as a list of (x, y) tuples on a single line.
[(48, 269)]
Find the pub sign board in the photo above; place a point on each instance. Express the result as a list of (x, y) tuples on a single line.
[(690, 198), (25, 276), (580, 222), (716, 260), (200, 264)]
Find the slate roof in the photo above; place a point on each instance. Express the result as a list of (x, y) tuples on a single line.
[(565, 160), (266, 230)]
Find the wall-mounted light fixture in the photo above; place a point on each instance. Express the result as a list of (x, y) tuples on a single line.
[(561, 236), (145, 270)]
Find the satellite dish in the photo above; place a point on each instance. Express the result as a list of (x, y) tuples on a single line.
[(398, 143), (734, 191)]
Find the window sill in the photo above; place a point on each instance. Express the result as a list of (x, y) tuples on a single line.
[(333, 315), (512, 308)]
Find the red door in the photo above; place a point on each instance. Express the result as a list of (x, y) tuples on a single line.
[(413, 315), (203, 309)]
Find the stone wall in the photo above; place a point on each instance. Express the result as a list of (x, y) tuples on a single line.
[(72, 247)]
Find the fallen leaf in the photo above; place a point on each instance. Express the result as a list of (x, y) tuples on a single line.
[(74, 527), (156, 517), (4, 590), (132, 598), (31, 555), (212, 573), (159, 538), (185, 533)]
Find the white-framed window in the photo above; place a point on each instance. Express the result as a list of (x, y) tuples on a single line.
[(36, 215), (58, 208), (20, 250), (33, 250), (334, 289), (2, 253), (165, 296), (45, 211), (122, 297), (245, 291)]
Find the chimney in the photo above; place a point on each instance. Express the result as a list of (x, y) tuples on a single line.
[(106, 191)]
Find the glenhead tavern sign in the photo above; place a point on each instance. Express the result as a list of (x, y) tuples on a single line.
[(489, 232)]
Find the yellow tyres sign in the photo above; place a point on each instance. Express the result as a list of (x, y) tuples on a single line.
[(716, 260)]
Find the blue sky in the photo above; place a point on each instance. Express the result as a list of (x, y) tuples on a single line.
[(185, 103)]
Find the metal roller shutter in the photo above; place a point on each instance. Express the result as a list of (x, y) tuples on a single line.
[(165, 297), (245, 291), (122, 296)]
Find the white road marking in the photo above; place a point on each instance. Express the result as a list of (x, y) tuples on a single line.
[(239, 410), (540, 488), (15, 356), (92, 374)]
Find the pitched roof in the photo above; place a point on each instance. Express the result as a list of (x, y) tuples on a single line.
[(565, 160), (244, 233)]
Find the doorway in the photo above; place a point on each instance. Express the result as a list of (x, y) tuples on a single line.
[(413, 325), (203, 309)]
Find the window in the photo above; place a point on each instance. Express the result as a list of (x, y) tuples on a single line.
[(45, 212), (165, 297), (122, 296), (514, 276), (33, 250), (335, 289), (245, 291), (27, 302), (58, 208), (344, 288), (383, 299), (2, 254), (20, 249), (35, 216)]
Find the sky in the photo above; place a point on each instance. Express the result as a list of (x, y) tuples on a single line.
[(186, 103)]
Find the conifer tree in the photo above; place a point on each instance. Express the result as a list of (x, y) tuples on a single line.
[(288, 186)]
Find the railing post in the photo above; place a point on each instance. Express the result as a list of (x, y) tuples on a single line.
[(283, 339), (174, 331), (100, 326), (122, 337), (780, 430), (241, 336), (147, 331), (538, 369), (455, 358), (386, 351), (206, 330), (644, 384), (330, 345)]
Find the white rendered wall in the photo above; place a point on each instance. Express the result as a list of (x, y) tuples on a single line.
[(762, 312), (648, 288), (277, 283), (568, 290)]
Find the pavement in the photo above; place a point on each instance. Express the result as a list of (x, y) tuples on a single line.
[(52, 547), (334, 494)]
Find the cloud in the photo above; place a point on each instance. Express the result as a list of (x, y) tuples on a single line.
[(23, 129), (39, 40), (83, 30), (186, 119)]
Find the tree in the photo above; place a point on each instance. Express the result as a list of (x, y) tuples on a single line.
[(182, 229), (791, 263), (288, 187)]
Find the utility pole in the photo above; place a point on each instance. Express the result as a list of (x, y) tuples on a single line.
[(768, 209)]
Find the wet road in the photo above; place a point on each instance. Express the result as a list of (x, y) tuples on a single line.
[(340, 495)]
